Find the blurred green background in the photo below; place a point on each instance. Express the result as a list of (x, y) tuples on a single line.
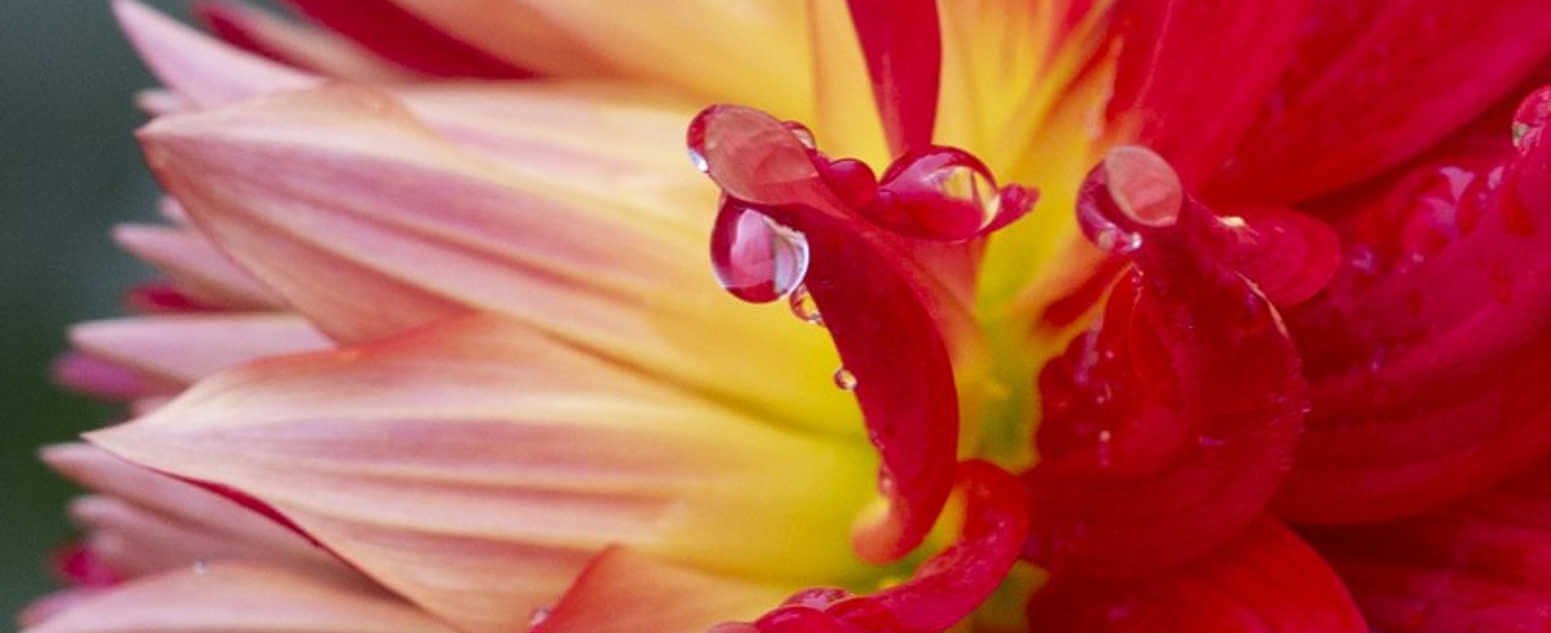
[(69, 170)]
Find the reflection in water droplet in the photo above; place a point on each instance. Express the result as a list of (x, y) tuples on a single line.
[(804, 307), (1531, 119), (845, 380), (938, 193), (753, 257), (1131, 191)]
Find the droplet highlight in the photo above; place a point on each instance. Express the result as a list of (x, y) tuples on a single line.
[(845, 380)]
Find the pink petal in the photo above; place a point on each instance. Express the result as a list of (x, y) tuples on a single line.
[(186, 348), (403, 37), (1373, 83), (102, 378), (622, 591), (1264, 580), (1168, 425), (205, 71), (293, 44), (374, 224), (1174, 86), (1426, 353), (903, 46), (200, 271), (221, 598), (1477, 565), (145, 522), (475, 467)]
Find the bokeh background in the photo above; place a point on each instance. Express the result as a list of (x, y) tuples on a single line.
[(69, 170)]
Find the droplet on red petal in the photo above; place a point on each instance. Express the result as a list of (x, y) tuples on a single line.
[(803, 134), (1132, 189), (1289, 255), (936, 193), (1530, 120), (754, 258), (852, 180)]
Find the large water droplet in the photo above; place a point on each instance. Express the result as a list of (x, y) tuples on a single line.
[(1531, 119), (1131, 191), (937, 193), (845, 380), (804, 307), (753, 257)]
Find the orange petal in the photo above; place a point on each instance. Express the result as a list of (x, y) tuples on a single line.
[(475, 467), (140, 521), (221, 598), (622, 591), (196, 267), (204, 70), (185, 348), (373, 224)]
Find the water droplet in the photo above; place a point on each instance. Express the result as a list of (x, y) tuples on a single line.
[(804, 307), (698, 160), (201, 567), (1132, 191), (753, 257), (845, 380), (803, 134), (938, 193), (1531, 119)]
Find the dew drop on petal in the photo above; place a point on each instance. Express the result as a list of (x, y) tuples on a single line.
[(1530, 120), (1131, 191), (538, 616), (201, 567), (845, 380), (804, 307), (753, 257), (937, 193)]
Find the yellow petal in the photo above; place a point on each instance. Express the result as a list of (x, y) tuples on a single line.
[(369, 222), (475, 467), (223, 598), (846, 119)]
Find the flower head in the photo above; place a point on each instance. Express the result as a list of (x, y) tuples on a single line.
[(1130, 316)]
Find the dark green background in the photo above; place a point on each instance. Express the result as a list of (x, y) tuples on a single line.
[(69, 170)]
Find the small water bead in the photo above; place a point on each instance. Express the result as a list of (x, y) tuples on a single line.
[(538, 616), (753, 257), (201, 567), (804, 307), (698, 160), (845, 380), (1531, 119)]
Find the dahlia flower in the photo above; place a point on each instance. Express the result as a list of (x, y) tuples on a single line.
[(1108, 315)]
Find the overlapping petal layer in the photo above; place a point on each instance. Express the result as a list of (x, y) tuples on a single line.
[(476, 467)]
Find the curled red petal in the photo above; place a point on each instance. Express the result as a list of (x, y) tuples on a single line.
[(398, 35), (944, 589), (1265, 579), (902, 42), (1366, 89), (889, 317), (1483, 564), (1168, 425), (1427, 354)]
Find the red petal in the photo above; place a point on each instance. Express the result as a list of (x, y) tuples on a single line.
[(889, 317), (1427, 354), (1265, 580), (403, 37), (1169, 424), (903, 45), (944, 589), (1483, 564), (1192, 106), (1373, 83)]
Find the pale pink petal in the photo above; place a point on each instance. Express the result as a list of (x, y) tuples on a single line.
[(475, 467), (137, 503), (186, 348), (622, 591), (224, 598), (53, 604), (205, 71), (196, 267), (102, 378), (369, 223)]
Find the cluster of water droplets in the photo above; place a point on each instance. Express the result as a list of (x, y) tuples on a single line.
[(1530, 120)]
